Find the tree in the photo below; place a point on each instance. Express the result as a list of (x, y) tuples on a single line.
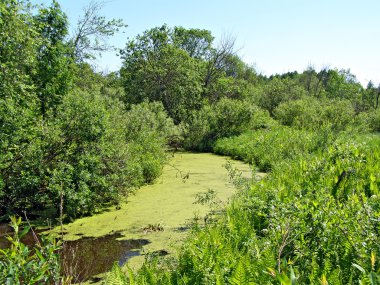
[(235, 80), (341, 84), (17, 50), (156, 68), (370, 96), (312, 81), (217, 63), (54, 73), (92, 32), (278, 91), (180, 68), (18, 101), (197, 43)]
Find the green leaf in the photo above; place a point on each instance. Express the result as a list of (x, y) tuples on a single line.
[(24, 232), (358, 267), (284, 279)]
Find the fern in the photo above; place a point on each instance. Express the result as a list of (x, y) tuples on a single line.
[(241, 275), (117, 277)]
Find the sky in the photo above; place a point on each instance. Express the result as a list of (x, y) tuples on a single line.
[(275, 36)]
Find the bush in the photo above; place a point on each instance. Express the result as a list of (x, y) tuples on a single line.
[(89, 154), (312, 114), (370, 120), (148, 131), (226, 118)]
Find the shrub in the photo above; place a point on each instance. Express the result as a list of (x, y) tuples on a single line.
[(312, 114), (225, 118), (148, 131), (90, 154), (371, 120)]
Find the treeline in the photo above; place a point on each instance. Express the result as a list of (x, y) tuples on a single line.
[(211, 93)]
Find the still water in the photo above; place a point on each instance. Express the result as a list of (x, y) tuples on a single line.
[(86, 257)]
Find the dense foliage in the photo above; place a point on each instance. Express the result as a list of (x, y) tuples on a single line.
[(82, 140), (264, 148), (225, 118), (65, 135), (313, 219)]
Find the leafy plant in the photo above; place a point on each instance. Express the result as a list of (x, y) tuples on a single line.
[(21, 265)]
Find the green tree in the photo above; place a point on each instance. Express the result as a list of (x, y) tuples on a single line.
[(155, 68), (311, 80), (53, 74), (342, 84), (370, 97), (197, 43), (19, 110), (277, 91)]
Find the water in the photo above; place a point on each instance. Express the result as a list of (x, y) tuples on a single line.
[(168, 202), (87, 257)]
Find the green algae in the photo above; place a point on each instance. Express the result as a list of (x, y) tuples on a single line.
[(159, 212)]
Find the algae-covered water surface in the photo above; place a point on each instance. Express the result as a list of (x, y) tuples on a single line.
[(158, 214)]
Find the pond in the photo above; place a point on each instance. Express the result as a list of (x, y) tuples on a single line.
[(154, 219)]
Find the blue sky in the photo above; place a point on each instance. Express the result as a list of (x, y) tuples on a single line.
[(275, 36)]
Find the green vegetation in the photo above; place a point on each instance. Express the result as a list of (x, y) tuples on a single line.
[(66, 137), (313, 218), (20, 265), (225, 118), (265, 148), (75, 142)]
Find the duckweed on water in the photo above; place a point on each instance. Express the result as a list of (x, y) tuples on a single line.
[(167, 205)]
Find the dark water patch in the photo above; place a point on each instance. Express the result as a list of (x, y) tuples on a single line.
[(161, 252), (94, 280), (86, 257)]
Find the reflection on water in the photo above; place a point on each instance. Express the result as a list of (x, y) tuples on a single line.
[(87, 257)]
